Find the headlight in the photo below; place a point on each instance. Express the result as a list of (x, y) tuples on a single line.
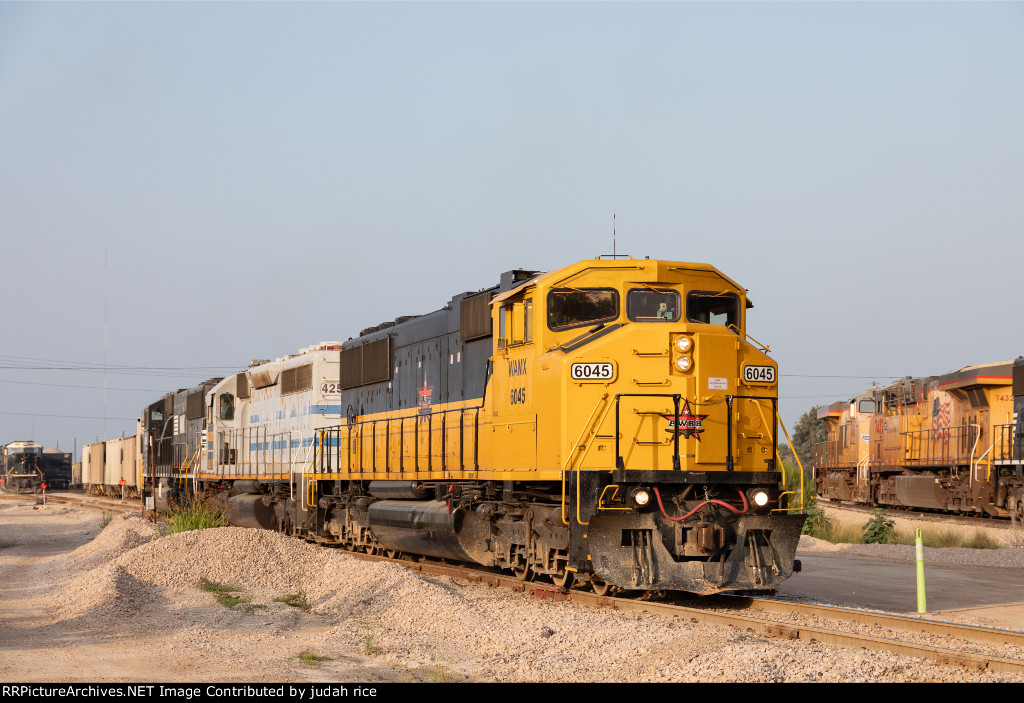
[(683, 344), (640, 497), (683, 363), (760, 498)]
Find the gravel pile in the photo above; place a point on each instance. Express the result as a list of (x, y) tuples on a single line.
[(386, 614), (120, 536)]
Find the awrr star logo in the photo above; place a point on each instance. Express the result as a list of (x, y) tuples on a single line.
[(686, 423)]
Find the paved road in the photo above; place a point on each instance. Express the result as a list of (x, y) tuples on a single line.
[(993, 595)]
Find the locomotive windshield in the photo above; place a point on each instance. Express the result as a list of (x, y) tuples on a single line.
[(652, 305), (715, 308), (572, 307)]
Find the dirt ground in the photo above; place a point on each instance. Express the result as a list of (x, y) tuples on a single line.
[(80, 603), (169, 643)]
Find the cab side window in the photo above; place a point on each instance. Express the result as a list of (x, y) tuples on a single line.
[(713, 308), (515, 322), (575, 307), (652, 305), (227, 406)]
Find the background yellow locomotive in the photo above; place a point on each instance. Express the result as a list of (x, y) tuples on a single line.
[(949, 443), (608, 422)]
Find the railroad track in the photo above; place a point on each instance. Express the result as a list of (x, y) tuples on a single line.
[(987, 522), (942, 642), (82, 499), (948, 643)]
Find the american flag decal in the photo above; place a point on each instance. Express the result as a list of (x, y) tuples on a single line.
[(941, 414)]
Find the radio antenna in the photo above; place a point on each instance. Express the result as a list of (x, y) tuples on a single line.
[(614, 251), (104, 341), (615, 248)]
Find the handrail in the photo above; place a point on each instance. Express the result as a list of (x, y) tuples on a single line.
[(182, 468), (795, 456), (928, 437), (764, 347), (588, 427), (310, 492), (974, 466), (787, 493), (357, 441), (561, 282), (977, 438)]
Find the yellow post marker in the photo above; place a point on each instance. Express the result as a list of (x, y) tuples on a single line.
[(920, 572)]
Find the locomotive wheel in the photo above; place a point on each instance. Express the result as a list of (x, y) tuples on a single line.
[(521, 569), (563, 579), (600, 586)]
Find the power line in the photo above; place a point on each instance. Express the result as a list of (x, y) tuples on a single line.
[(69, 385), (79, 417), (160, 373), (100, 364), (801, 375)]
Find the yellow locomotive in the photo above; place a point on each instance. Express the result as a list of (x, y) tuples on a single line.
[(946, 443), (609, 422)]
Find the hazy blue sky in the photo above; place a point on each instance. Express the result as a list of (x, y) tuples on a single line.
[(265, 176)]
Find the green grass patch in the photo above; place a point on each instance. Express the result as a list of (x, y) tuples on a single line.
[(949, 537), (835, 533), (295, 600), (370, 645), (310, 658), (440, 674), (108, 517), (195, 516), (800, 483), (227, 595), (878, 530), (816, 521)]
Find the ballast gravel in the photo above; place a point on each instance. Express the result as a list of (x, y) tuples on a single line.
[(130, 605)]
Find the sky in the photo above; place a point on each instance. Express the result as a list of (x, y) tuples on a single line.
[(187, 186)]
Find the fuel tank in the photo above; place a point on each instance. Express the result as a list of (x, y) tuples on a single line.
[(399, 490), (420, 527), (249, 511)]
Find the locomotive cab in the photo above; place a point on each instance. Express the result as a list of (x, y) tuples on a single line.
[(633, 385), (22, 467)]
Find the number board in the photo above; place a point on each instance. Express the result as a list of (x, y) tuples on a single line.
[(602, 371), (758, 374)]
